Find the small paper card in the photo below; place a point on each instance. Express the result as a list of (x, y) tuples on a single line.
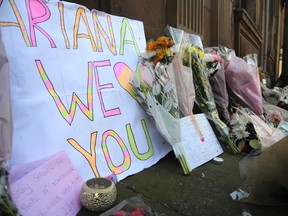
[(50, 186), (195, 151)]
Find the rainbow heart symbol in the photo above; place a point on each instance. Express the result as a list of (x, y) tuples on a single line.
[(124, 75)]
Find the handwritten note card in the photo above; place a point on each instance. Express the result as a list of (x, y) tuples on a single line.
[(196, 151), (50, 186)]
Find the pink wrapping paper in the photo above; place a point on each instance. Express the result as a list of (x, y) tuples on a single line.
[(243, 82)]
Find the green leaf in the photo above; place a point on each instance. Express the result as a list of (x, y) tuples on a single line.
[(254, 143)]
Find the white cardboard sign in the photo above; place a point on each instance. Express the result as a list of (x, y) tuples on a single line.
[(69, 88)]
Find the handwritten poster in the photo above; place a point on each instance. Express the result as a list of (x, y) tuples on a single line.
[(50, 186), (69, 75), (196, 151)]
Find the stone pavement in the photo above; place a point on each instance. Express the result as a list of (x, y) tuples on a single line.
[(206, 191)]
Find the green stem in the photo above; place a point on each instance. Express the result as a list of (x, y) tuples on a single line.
[(184, 165), (231, 145), (7, 207)]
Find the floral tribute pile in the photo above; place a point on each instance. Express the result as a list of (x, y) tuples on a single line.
[(176, 72), (251, 124)]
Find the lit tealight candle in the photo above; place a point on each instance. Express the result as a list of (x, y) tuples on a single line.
[(98, 194)]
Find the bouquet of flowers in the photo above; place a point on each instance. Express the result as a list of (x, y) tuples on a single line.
[(266, 133), (192, 54), (243, 81), (186, 91), (163, 92), (243, 133), (242, 129), (216, 59)]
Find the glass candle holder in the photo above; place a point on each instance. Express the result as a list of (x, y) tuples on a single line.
[(98, 194)]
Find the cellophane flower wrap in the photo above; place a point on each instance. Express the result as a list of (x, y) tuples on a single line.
[(216, 61), (156, 83), (242, 131), (266, 133), (185, 86), (243, 81), (203, 90)]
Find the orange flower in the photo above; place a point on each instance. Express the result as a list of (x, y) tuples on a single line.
[(150, 45), (161, 43), (161, 47), (160, 55)]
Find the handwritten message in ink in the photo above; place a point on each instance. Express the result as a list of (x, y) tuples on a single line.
[(51, 188), (196, 151)]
